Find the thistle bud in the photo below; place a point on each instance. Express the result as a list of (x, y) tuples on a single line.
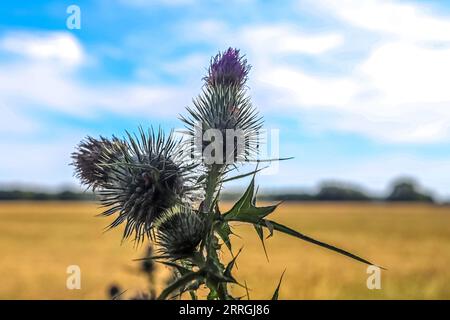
[(179, 232)]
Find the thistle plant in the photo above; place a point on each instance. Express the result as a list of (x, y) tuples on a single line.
[(167, 190)]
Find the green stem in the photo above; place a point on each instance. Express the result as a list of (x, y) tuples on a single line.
[(212, 184), (212, 181)]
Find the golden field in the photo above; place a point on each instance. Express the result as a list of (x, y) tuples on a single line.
[(39, 240)]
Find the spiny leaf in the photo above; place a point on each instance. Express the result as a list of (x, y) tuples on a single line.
[(246, 290), (260, 232), (289, 231), (224, 232), (277, 290), (230, 265), (269, 226), (180, 282), (284, 229), (245, 206)]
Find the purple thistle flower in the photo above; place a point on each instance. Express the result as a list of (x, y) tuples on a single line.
[(228, 68)]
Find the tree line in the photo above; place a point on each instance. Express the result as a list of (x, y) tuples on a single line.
[(403, 190), (406, 190)]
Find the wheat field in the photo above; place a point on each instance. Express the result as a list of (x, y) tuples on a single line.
[(38, 241)]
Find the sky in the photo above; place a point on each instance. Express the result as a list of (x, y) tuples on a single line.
[(358, 89)]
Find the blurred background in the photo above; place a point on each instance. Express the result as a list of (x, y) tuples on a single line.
[(357, 89)]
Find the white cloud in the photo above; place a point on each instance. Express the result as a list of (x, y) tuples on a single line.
[(405, 73), (308, 91), (409, 21), (286, 39), (59, 46)]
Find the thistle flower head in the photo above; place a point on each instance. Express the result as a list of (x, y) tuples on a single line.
[(179, 232), (228, 115), (228, 68), (88, 158), (223, 124), (150, 177)]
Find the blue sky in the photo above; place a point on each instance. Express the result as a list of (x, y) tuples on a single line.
[(358, 89)]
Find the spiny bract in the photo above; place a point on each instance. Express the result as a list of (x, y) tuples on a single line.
[(179, 233), (90, 158)]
